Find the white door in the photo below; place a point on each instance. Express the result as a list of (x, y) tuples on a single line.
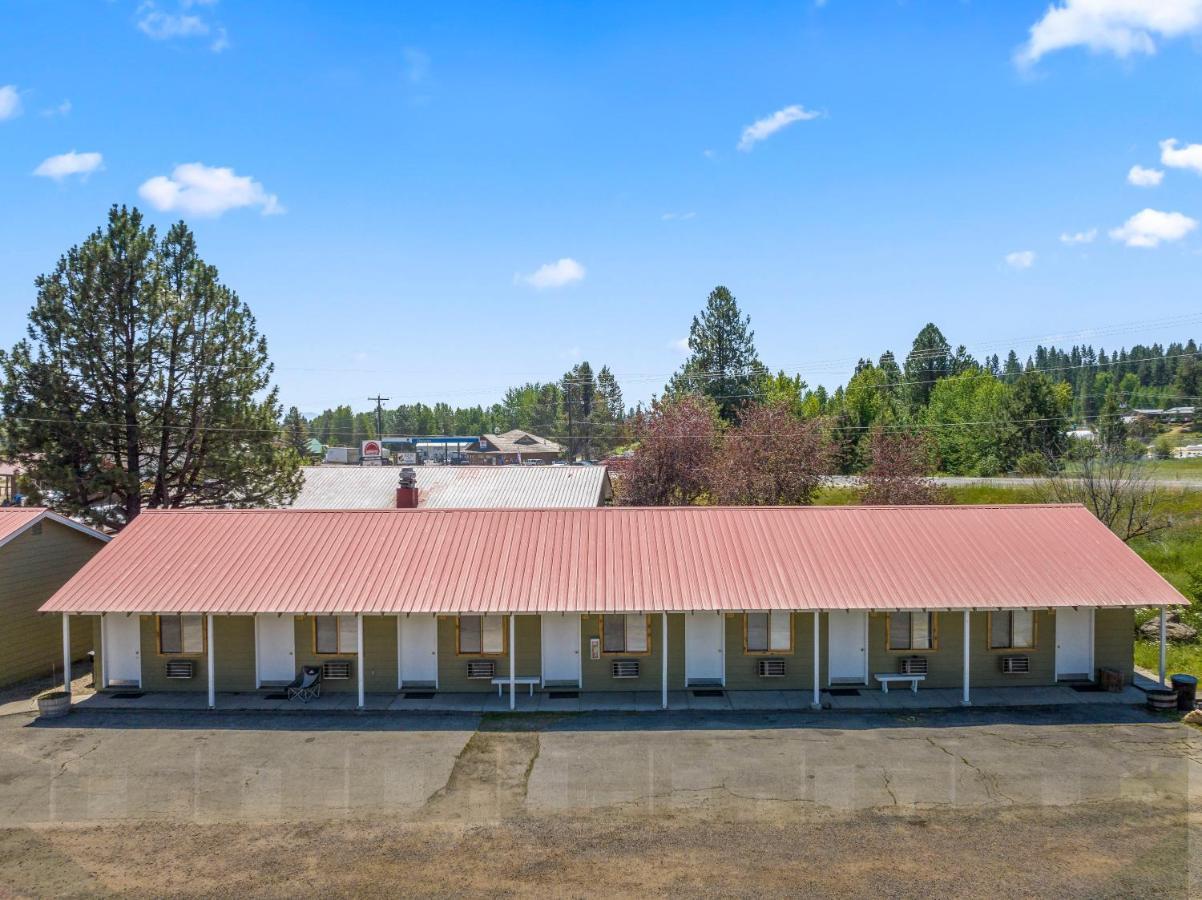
[(847, 647), (417, 638), (122, 653), (1074, 643), (704, 642), (275, 648), (561, 648)]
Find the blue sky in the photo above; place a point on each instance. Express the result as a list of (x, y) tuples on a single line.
[(400, 174)]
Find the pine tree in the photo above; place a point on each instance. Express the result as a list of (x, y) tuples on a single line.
[(723, 364), (930, 359), (296, 432), (144, 381)]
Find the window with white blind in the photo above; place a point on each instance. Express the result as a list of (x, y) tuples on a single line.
[(768, 632), (181, 634), (1012, 630), (481, 634), (912, 631), (335, 634), (624, 634)]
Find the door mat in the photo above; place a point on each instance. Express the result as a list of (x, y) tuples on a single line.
[(564, 695), (1087, 688), (709, 692), (275, 696), (127, 695), (843, 692), (418, 695)]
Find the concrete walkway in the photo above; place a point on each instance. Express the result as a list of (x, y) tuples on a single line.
[(863, 699)]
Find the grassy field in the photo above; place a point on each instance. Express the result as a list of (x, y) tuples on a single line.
[(1175, 552)]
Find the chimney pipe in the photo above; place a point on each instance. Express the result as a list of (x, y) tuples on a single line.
[(406, 492)]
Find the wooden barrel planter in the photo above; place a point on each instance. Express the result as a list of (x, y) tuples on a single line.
[(54, 705), (1162, 700)]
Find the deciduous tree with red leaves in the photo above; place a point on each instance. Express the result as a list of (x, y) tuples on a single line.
[(671, 464), (897, 474), (771, 458)]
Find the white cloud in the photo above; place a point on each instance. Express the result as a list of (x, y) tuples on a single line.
[(1149, 227), (63, 109), (417, 64), (709, 154), (1020, 259), (10, 102), (1187, 157), (558, 274), (200, 190), (67, 164), (164, 26), (764, 128), (1079, 237), (1141, 177), (1121, 27), (680, 345), (678, 216)]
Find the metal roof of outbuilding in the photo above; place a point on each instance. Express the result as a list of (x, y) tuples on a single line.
[(455, 487), (612, 560)]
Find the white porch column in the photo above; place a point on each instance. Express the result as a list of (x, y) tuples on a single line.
[(816, 703), (1163, 635), (67, 655), (964, 700), (359, 661), (664, 676), (212, 665), (512, 660)]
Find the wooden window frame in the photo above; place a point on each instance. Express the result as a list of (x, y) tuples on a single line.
[(989, 632), (482, 653), (934, 631), (646, 625), (338, 634), (158, 636), (769, 652)]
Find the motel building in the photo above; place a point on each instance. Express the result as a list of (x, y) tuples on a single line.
[(435, 603)]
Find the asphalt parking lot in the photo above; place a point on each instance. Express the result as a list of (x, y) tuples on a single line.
[(1087, 802)]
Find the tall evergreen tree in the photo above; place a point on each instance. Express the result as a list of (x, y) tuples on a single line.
[(723, 364), (930, 359), (144, 381), (296, 432)]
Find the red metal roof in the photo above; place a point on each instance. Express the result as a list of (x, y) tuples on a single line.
[(611, 559)]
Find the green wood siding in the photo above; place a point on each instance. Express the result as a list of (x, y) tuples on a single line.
[(233, 653), (945, 664), (452, 666), (597, 674), (799, 663), (379, 654), (1114, 641), (32, 567)]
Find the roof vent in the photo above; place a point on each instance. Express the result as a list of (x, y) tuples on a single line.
[(406, 492)]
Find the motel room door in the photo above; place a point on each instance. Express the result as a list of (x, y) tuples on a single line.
[(704, 643), (417, 641), (121, 656), (275, 649), (561, 648), (847, 647), (1074, 643)]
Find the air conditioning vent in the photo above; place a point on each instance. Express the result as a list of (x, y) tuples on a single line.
[(914, 665), (481, 668), (770, 668), (336, 670), (180, 668), (626, 668), (1016, 665)]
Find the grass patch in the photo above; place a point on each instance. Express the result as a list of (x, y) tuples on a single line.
[(1181, 659)]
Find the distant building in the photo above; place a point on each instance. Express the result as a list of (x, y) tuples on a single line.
[(347, 456), (1189, 451), (1082, 434), (514, 446)]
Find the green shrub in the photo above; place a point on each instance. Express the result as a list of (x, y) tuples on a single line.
[(1031, 464)]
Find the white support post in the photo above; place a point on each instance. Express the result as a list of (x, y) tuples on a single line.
[(359, 662), (212, 666), (67, 654), (512, 660), (1163, 635), (664, 675), (816, 703), (964, 700)]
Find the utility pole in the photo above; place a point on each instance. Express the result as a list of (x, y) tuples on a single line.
[(379, 415)]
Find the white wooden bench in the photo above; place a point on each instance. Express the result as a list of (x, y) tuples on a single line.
[(501, 681), (887, 679)]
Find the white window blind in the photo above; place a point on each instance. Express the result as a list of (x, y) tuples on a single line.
[(193, 633), (1022, 628), (757, 632), (494, 634), (348, 634), (636, 634), (181, 634), (781, 634), (469, 634), (920, 631)]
